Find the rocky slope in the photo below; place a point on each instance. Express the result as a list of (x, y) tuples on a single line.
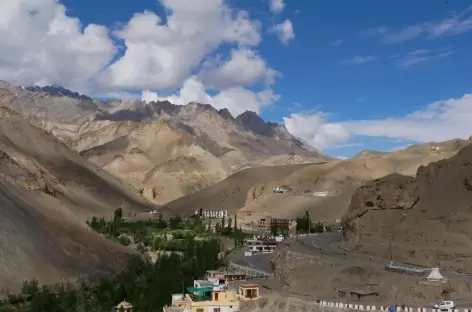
[(339, 178), (425, 218), (47, 192), (164, 150)]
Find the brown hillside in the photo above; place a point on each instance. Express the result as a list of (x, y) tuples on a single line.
[(426, 218), (231, 194), (130, 139), (341, 178), (47, 192)]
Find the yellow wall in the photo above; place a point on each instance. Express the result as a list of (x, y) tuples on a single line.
[(225, 298)]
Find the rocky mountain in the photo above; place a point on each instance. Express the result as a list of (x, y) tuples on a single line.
[(163, 150), (47, 192), (251, 195), (424, 218)]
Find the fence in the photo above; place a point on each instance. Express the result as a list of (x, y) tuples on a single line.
[(360, 307), (250, 272)]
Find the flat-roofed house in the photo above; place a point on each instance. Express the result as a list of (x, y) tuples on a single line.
[(204, 299)]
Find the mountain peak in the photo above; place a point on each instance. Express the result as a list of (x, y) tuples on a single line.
[(224, 112), (253, 122), (56, 90)]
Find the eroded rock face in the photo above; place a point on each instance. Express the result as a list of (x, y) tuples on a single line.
[(394, 191), (425, 219)]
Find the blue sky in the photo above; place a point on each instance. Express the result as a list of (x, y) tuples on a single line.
[(348, 77)]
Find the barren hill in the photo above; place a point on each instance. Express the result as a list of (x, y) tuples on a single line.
[(166, 151), (338, 178), (233, 192), (47, 192), (425, 218)]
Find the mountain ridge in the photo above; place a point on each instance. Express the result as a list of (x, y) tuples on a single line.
[(217, 143)]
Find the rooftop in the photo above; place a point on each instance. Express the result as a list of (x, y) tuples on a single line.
[(249, 286), (124, 305), (204, 283)]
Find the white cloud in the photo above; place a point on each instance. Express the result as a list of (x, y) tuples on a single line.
[(40, 44), (244, 68), (336, 43), (236, 99), (162, 56), (284, 31), (358, 60), (315, 130), (439, 121), (421, 56), (276, 6), (453, 25)]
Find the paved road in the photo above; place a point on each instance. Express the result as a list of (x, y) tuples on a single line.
[(328, 245), (261, 262)]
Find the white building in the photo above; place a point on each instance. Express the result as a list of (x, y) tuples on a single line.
[(261, 246), (212, 214)]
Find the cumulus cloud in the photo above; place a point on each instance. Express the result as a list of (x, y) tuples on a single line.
[(439, 121), (162, 56), (315, 130), (244, 68), (284, 31), (40, 44), (276, 6), (236, 99)]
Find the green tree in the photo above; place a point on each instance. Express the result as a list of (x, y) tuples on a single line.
[(124, 240), (318, 227), (274, 230), (209, 229), (230, 223), (161, 223), (175, 222), (118, 215)]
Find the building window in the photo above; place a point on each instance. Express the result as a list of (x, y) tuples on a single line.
[(200, 310), (217, 310)]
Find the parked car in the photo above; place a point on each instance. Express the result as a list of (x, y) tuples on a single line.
[(445, 305)]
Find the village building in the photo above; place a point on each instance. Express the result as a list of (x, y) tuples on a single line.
[(123, 306), (249, 291), (282, 189), (262, 245), (224, 276), (212, 214), (204, 299), (281, 223)]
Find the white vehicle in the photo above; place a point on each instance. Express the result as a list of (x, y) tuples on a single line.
[(445, 305)]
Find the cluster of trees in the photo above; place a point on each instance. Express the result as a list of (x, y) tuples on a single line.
[(305, 225), (148, 286), (276, 230), (228, 229), (141, 232)]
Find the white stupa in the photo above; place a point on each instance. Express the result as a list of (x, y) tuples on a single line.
[(435, 276)]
